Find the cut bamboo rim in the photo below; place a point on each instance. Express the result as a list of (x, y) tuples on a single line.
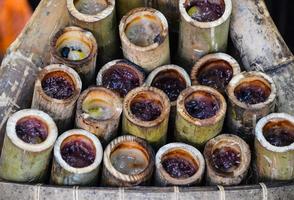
[(62, 111), (83, 39), (121, 64), (102, 24), (104, 127), (154, 54), (184, 151), (242, 117), (64, 174), (199, 38), (274, 162), (112, 177), (25, 162), (155, 131), (198, 131), (236, 174), (212, 60)]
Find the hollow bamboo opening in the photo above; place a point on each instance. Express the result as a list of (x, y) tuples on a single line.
[(122, 78), (58, 85), (179, 164), (78, 151), (146, 106), (202, 105), (99, 105), (144, 29), (90, 7), (252, 90), (32, 129), (171, 82), (129, 158), (215, 73), (279, 132), (205, 10), (225, 157)]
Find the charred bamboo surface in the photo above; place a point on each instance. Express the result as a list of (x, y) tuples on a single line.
[(262, 48)]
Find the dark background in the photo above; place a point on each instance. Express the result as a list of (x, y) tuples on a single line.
[(282, 12)]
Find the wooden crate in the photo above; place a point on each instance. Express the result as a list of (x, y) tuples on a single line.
[(259, 45)]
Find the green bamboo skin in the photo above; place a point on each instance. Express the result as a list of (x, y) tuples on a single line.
[(196, 131), (273, 163), (112, 177), (22, 162), (64, 174), (103, 26), (200, 38), (155, 132), (86, 68), (242, 118)]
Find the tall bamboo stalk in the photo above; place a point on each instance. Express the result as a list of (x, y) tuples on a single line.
[(64, 173), (199, 38), (81, 39), (100, 19), (150, 47), (275, 162), (61, 110), (22, 161)]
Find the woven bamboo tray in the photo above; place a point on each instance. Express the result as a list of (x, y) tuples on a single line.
[(259, 45)]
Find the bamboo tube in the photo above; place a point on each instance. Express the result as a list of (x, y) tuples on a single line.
[(252, 95), (171, 79), (227, 159), (200, 115), (28, 143), (120, 76), (274, 147), (145, 115), (199, 38), (179, 164), (100, 18), (57, 89), (145, 39), (84, 61), (124, 6), (215, 70), (77, 158), (128, 161), (262, 48), (98, 111)]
